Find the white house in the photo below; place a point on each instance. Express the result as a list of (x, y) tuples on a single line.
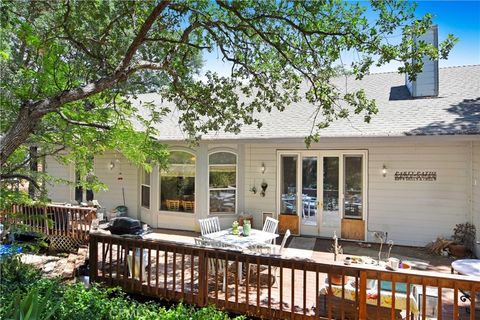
[(413, 172)]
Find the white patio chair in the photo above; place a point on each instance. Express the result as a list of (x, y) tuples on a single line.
[(275, 250), (279, 253), (282, 245), (270, 226), (221, 264), (209, 225)]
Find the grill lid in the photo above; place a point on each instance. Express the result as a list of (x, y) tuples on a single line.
[(125, 225)]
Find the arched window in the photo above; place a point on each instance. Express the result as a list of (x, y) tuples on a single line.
[(222, 168), (177, 183)]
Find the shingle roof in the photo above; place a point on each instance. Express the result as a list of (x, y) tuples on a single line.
[(456, 111)]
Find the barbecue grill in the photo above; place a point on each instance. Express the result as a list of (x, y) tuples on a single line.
[(126, 226)]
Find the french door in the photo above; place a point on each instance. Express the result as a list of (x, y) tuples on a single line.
[(316, 186)]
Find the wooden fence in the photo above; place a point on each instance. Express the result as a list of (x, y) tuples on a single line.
[(273, 287), (54, 220)]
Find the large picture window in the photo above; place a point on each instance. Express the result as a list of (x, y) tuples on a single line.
[(353, 186), (223, 182), (145, 189), (177, 183)]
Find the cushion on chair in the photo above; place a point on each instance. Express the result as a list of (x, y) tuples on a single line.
[(400, 287)]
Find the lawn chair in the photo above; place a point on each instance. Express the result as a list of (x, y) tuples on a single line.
[(279, 253), (270, 226), (209, 225)]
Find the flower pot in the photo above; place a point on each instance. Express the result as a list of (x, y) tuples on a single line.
[(458, 250)]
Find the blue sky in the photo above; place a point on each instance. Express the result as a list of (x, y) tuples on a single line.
[(461, 18)]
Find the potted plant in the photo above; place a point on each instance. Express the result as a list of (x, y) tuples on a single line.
[(463, 239)]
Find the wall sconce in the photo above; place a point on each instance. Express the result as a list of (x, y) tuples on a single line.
[(263, 168), (111, 165), (384, 171)]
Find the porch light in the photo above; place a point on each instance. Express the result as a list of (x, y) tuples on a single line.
[(111, 165), (263, 168), (384, 171)]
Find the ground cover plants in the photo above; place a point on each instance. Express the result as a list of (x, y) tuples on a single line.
[(24, 294)]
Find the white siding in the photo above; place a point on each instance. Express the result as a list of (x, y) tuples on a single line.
[(60, 191), (476, 191), (413, 213), (255, 155), (122, 181), (416, 212)]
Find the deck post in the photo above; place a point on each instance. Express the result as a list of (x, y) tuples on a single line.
[(202, 278), (45, 221), (362, 314), (93, 257)]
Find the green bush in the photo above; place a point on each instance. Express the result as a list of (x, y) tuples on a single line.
[(99, 303), (23, 291), (33, 306), (15, 275)]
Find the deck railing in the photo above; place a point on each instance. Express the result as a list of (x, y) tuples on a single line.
[(54, 220), (272, 287)]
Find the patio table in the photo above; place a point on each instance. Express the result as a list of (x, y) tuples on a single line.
[(229, 239), (254, 238), (467, 267)]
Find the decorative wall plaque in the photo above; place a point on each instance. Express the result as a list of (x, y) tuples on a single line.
[(416, 176)]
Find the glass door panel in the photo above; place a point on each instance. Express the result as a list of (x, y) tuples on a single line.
[(353, 187), (309, 191), (288, 184), (331, 216)]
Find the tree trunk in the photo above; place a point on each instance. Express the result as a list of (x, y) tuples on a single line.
[(32, 112), (19, 132), (33, 168)]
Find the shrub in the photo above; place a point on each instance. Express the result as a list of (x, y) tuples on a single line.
[(14, 274), (464, 233), (100, 303), (33, 306), (22, 290)]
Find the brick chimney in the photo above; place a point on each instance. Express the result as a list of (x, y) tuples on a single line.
[(426, 84)]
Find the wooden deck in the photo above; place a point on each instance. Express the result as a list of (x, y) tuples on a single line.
[(268, 287)]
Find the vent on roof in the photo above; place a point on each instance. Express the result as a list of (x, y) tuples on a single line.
[(426, 84)]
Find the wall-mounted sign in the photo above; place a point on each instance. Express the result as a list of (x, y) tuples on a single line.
[(415, 176)]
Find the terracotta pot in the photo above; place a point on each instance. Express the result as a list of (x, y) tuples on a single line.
[(458, 250)]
